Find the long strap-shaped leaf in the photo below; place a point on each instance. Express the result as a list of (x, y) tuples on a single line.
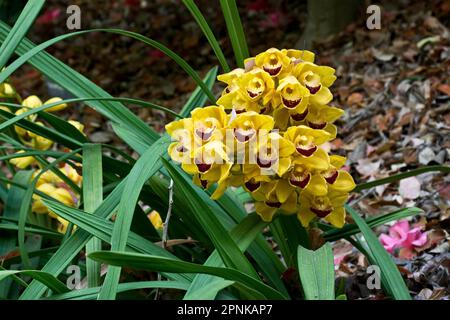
[(316, 269), (45, 278), (180, 61), (390, 275), (92, 198), (147, 165), (80, 86), (235, 30), (103, 229), (153, 263), (20, 29), (201, 21)]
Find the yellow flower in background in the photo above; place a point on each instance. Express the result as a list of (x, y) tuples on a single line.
[(22, 162), (7, 91), (155, 219), (57, 107)]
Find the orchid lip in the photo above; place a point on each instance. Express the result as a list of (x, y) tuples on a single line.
[(301, 183), (239, 111), (321, 213), (299, 116), (272, 71), (317, 125), (264, 163), (252, 186), (313, 90), (181, 149), (291, 104), (332, 178), (243, 135), (273, 204), (306, 152), (204, 135), (203, 167), (252, 94)]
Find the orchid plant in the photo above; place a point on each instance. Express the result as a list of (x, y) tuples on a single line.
[(253, 168)]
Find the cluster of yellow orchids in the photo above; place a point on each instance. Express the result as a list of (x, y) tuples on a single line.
[(48, 182), (266, 134)]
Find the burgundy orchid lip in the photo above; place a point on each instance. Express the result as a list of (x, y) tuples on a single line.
[(273, 204), (300, 183), (317, 125), (204, 134), (181, 149), (320, 213), (272, 71), (291, 104), (252, 186), (264, 163), (313, 90), (252, 94), (332, 178), (239, 111), (243, 135), (299, 116), (307, 152), (203, 167)]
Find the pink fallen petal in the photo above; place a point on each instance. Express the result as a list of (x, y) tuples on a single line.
[(388, 243), (420, 241)]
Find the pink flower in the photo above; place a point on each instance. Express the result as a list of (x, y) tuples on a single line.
[(402, 237), (49, 16)]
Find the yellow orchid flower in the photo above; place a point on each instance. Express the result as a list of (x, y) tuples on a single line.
[(208, 123), (57, 107), (272, 61), (305, 139), (78, 125), (22, 162), (181, 132), (246, 126), (255, 85), (32, 102), (210, 164), (294, 96), (155, 219), (230, 79), (317, 79), (321, 116), (297, 56), (273, 196), (235, 100), (330, 207), (7, 90)]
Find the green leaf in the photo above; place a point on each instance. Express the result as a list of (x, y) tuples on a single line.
[(45, 278), (103, 230), (92, 197), (226, 247), (20, 29), (147, 165), (180, 61), (201, 21), (244, 234), (390, 275), (401, 176), (316, 270), (333, 234), (235, 30), (80, 86), (159, 264), (91, 293)]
